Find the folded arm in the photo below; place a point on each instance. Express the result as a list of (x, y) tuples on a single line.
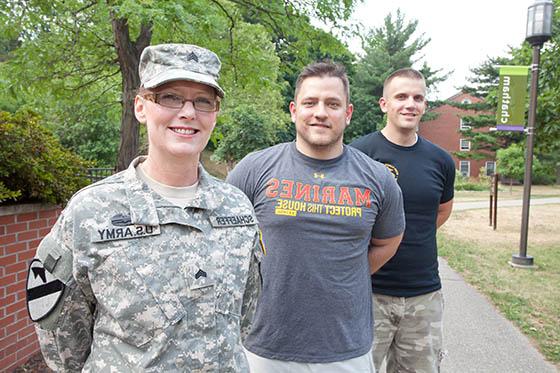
[(381, 250), (444, 211)]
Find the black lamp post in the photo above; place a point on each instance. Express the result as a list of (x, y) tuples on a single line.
[(539, 30)]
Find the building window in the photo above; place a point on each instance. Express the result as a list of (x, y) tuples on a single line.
[(465, 168), (490, 168), (464, 125), (466, 101), (465, 145)]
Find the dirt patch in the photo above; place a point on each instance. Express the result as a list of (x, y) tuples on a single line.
[(473, 225)]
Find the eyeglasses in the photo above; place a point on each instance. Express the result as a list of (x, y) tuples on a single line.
[(173, 101)]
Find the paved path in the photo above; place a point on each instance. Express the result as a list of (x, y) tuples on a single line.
[(478, 338), (458, 206)]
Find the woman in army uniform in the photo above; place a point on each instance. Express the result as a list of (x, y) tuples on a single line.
[(154, 268)]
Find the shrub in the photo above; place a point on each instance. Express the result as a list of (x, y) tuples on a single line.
[(35, 167), (511, 164), (464, 183)]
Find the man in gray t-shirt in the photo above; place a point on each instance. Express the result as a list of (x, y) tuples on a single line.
[(330, 216)]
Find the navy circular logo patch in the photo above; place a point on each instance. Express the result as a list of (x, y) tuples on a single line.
[(393, 170)]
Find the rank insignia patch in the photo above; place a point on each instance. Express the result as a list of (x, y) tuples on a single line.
[(199, 274), (192, 57), (43, 291)]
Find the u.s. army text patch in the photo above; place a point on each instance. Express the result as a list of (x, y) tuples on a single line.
[(113, 233)]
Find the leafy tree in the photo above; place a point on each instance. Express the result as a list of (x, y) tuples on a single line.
[(484, 79), (483, 83), (301, 44), (547, 131), (77, 51), (387, 48)]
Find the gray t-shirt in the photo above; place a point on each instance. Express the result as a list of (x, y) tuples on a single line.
[(317, 218)]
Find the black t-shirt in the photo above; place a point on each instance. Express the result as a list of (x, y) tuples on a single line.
[(426, 173)]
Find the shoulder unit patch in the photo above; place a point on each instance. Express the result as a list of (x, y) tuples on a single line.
[(43, 291)]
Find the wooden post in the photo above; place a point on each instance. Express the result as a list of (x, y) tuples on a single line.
[(495, 207), (491, 214)]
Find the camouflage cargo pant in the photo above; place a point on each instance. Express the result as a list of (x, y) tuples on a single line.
[(408, 332)]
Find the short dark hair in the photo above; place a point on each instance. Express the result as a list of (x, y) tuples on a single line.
[(321, 69), (406, 72)]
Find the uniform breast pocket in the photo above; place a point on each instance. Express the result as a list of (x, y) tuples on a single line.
[(137, 298)]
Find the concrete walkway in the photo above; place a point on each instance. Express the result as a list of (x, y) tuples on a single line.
[(478, 338), (459, 206)]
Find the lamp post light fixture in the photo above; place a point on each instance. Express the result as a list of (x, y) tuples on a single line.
[(539, 30)]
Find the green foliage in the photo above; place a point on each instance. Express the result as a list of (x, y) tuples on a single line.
[(61, 56), (547, 131), (511, 164), (298, 43), (35, 166), (387, 48), (464, 183), (245, 130), (64, 68)]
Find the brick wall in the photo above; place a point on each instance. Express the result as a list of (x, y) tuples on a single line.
[(21, 229)]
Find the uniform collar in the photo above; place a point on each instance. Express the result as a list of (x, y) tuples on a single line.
[(143, 201)]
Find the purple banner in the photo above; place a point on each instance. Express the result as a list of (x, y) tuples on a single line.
[(510, 128)]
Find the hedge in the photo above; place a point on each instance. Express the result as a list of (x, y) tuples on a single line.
[(35, 167)]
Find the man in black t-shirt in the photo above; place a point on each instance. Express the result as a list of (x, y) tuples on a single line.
[(407, 289)]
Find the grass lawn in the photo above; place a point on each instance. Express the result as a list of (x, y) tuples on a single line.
[(529, 298)]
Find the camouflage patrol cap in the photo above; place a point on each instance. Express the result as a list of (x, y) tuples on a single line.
[(165, 63)]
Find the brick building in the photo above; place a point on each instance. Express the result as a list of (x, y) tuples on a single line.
[(445, 131), (21, 229)]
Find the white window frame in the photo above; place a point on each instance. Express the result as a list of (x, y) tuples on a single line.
[(468, 164), (493, 163), (466, 101), (464, 126), (464, 148)]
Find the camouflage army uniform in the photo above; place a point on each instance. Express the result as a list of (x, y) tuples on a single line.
[(151, 287)]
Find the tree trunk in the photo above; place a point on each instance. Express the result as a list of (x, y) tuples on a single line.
[(128, 53)]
